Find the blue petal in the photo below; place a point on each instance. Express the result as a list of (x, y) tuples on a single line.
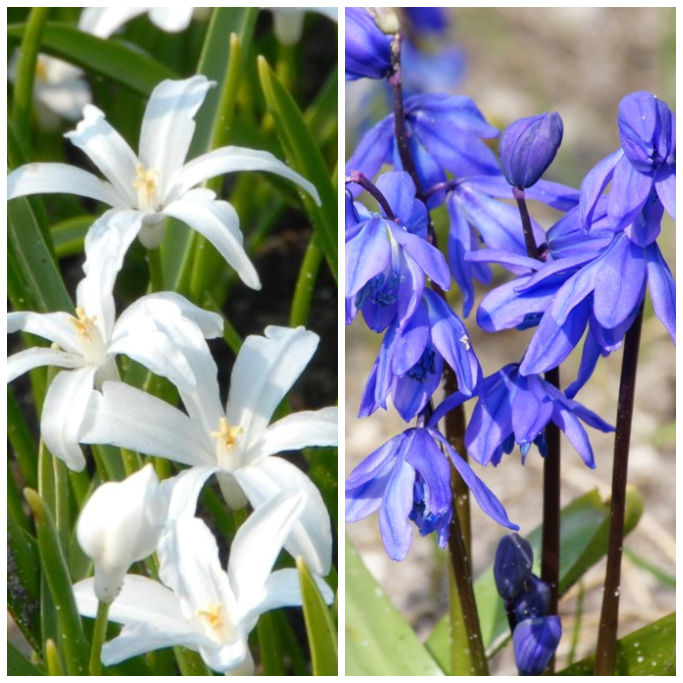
[(531, 409), (534, 642), (630, 189), (662, 289), (589, 358), (375, 465), (410, 343), (394, 524), (426, 457), (411, 393), (373, 150), (429, 258), (594, 184), (647, 224), (575, 432), (665, 184), (504, 308), (460, 243), (398, 189), (367, 255), (364, 499)]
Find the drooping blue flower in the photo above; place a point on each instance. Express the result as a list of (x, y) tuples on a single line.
[(515, 409), (532, 601), (534, 642), (512, 565), (644, 165), (408, 479), (528, 146), (368, 49), (387, 260), (444, 133), (410, 361)]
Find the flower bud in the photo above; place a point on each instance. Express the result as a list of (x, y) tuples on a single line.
[(533, 601), (120, 524), (534, 642), (368, 49), (512, 567), (528, 146)]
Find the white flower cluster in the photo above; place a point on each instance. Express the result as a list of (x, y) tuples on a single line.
[(196, 604)]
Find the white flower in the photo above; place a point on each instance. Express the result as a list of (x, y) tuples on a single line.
[(238, 443), (158, 182), (58, 86), (200, 606), (86, 344), (121, 524), (288, 21), (104, 21)]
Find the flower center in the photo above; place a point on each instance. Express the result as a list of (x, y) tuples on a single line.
[(216, 617), (226, 437), (92, 346), (145, 184)]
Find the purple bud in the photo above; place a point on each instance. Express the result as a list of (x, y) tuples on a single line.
[(512, 567), (368, 49), (533, 601), (534, 642), (528, 146)]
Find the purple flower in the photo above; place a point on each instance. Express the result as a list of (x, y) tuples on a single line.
[(512, 566), (534, 642), (515, 409), (644, 165), (387, 260), (368, 49), (444, 133), (532, 601), (410, 361), (528, 146), (408, 478)]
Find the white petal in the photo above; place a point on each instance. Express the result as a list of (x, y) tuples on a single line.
[(296, 431), (67, 97), (230, 159), (23, 361), (311, 536), (108, 151), (103, 21), (219, 223), (265, 369), (64, 409), (129, 418), (183, 491), (168, 125), (288, 25), (284, 589), (57, 327), (60, 178), (224, 658), (171, 19), (257, 544)]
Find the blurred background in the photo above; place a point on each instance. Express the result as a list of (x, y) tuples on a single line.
[(518, 62)]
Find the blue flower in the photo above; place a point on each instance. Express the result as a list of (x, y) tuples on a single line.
[(534, 642), (528, 146), (408, 479), (644, 165), (532, 601), (410, 361), (512, 566), (444, 133), (387, 260), (368, 49), (515, 409)]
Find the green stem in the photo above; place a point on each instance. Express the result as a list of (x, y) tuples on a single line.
[(98, 635), (61, 483), (26, 71), (605, 655), (156, 275), (305, 284)]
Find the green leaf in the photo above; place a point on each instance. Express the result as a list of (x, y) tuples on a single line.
[(18, 665), (72, 642), (68, 235), (107, 58), (583, 540), (304, 156), (322, 633), (379, 642), (649, 651)]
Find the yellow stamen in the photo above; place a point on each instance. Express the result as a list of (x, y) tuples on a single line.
[(211, 615), (82, 322), (41, 71), (146, 185), (227, 434)]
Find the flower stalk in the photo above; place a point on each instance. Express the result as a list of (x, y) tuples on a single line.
[(98, 635), (605, 655)]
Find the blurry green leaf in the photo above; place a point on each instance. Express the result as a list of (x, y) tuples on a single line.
[(379, 642), (21, 440), (660, 575), (304, 156), (321, 116), (583, 540), (322, 634), (96, 55), (649, 651), (68, 235), (270, 646), (72, 642), (18, 665)]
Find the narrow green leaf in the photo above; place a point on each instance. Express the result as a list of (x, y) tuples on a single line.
[(18, 665), (321, 116), (72, 642), (379, 642), (322, 633), (583, 541), (107, 58), (649, 651), (305, 285), (68, 235), (21, 440), (304, 156), (270, 646), (663, 577)]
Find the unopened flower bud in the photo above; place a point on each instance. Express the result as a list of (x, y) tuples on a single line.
[(533, 601), (528, 146), (534, 642), (368, 49), (512, 567)]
